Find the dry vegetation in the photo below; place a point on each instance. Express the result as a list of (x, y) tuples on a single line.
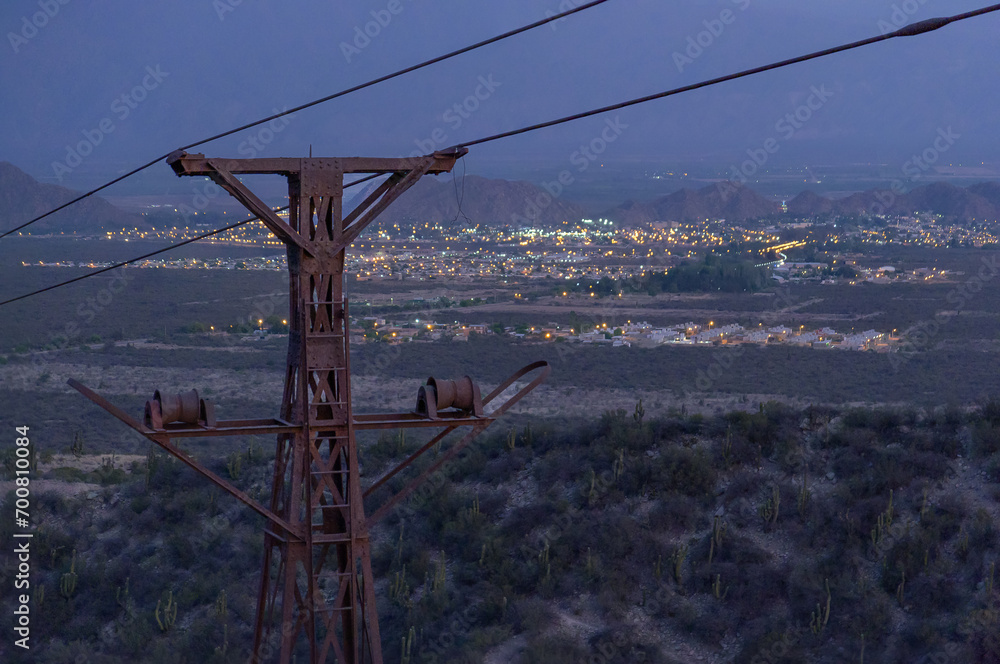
[(780, 534)]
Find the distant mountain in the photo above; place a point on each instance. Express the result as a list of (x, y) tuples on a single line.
[(980, 201), (988, 190), (504, 203), (809, 203), (22, 197), (725, 200), (484, 201), (734, 202)]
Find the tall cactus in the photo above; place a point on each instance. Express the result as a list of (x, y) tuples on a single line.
[(804, 494), (718, 531), (639, 413), (67, 584), (221, 605), (717, 588), (152, 462), (399, 543), (123, 598), (224, 648), (399, 589), (901, 588), (235, 465), (819, 618), (406, 650), (618, 466), (440, 575), (677, 558), (727, 448), (166, 612), (769, 509)]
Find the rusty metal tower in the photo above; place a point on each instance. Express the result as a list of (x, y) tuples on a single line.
[(316, 579)]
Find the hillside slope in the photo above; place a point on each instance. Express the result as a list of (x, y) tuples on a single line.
[(22, 197), (780, 535)]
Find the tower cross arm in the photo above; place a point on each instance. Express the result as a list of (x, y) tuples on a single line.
[(183, 163)]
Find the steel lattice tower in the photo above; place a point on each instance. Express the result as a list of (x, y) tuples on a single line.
[(316, 581)]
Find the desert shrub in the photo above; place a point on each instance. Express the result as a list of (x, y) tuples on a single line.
[(872, 615), (685, 471), (940, 523), (985, 440), (616, 590), (764, 585), (859, 418), (674, 513), (67, 474), (980, 629), (905, 560), (708, 626), (993, 468), (773, 640), (847, 463), (945, 418), (943, 442), (982, 531), (844, 436), (736, 549), (533, 616), (930, 595), (989, 411), (763, 428), (52, 502), (875, 471)]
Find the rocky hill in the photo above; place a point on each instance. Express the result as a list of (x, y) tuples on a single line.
[(724, 200), (472, 200), (978, 202), (483, 201), (22, 197), (734, 202)]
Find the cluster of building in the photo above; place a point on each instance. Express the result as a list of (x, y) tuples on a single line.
[(628, 334), (930, 230), (273, 263), (644, 334), (824, 273)]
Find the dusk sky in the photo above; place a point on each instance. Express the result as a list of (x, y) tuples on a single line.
[(210, 66)]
